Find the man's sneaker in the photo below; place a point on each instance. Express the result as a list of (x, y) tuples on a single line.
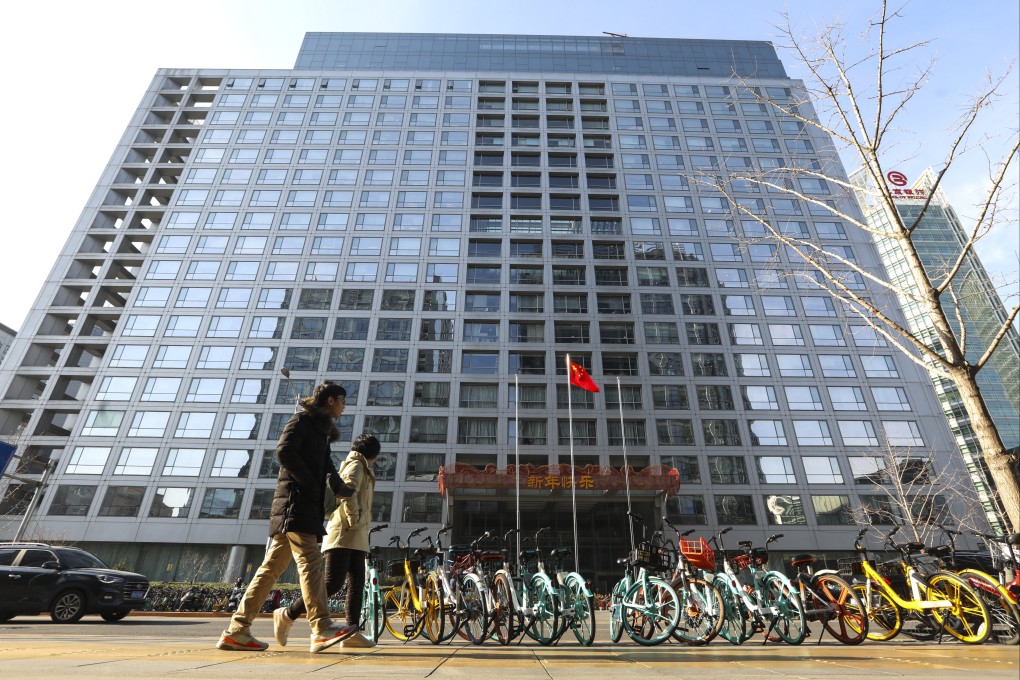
[(240, 642), (332, 635), (281, 625), (358, 640)]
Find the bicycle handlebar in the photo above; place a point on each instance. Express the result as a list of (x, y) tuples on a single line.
[(379, 527), (726, 531), (773, 538)]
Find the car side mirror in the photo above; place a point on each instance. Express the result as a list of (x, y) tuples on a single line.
[(51, 565)]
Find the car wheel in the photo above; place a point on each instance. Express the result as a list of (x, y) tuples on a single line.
[(68, 607), (112, 617)]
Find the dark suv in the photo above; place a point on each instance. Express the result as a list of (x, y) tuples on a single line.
[(66, 582)]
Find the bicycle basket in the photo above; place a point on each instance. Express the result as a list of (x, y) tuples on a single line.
[(849, 567), (653, 557), (698, 553), (740, 561), (395, 568), (759, 557)]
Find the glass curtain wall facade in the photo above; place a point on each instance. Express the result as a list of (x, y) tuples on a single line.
[(940, 238), (423, 231)]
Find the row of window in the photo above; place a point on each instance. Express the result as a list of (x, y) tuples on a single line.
[(424, 467), (217, 503), (347, 359), (558, 224), (484, 431), (391, 393), (687, 509), (554, 88)]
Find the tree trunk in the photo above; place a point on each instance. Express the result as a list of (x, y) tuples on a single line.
[(999, 462)]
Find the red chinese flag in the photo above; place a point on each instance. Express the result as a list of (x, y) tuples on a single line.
[(580, 378)]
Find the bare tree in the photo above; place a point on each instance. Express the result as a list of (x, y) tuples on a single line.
[(861, 102), (913, 491)]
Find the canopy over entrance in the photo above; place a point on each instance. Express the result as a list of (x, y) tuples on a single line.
[(589, 478)]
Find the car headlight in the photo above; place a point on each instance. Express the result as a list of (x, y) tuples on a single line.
[(110, 580)]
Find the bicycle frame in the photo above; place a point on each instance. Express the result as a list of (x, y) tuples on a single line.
[(917, 603)]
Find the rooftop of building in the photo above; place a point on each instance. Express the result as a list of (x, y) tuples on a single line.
[(533, 53)]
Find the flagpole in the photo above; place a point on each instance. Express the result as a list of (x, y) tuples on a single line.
[(626, 467), (573, 486), (517, 466)]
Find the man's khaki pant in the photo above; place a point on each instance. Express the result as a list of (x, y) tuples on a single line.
[(305, 550)]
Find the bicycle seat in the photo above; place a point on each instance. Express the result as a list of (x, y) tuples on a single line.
[(559, 552), (459, 549), (940, 551), (1013, 539), (803, 559), (913, 547), (529, 554)]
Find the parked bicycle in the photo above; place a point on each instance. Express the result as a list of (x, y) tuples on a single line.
[(830, 600), (644, 604), (525, 599), (1002, 606), (416, 604), (701, 605), (938, 599), (757, 599)]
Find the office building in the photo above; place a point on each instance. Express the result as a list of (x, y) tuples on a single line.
[(940, 238), (425, 217)]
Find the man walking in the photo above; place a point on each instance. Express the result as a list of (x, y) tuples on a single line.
[(295, 522), (346, 544)]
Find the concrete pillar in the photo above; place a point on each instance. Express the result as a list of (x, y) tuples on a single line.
[(235, 563)]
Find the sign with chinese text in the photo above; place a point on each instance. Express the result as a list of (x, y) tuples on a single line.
[(555, 477)]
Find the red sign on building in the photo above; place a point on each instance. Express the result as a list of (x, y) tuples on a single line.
[(552, 477)]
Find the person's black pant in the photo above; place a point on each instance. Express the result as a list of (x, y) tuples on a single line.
[(341, 564)]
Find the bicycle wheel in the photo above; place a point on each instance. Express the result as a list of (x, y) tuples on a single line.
[(734, 624), (373, 617), (402, 620), (885, 621), (542, 621), (582, 608), (785, 612), (1005, 615), (701, 612), (846, 619), (432, 606), (504, 617), (652, 611), (472, 609), (616, 612), (968, 620)]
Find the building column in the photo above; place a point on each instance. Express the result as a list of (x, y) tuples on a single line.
[(235, 563)]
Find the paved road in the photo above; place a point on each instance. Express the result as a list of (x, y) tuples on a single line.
[(159, 647)]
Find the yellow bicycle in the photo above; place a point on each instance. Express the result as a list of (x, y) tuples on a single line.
[(417, 603), (892, 589)]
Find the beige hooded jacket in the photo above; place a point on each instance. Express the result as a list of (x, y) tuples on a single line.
[(348, 525)]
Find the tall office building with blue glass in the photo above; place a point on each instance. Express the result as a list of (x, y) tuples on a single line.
[(437, 221)]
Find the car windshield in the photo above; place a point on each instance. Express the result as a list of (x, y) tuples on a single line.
[(78, 559)]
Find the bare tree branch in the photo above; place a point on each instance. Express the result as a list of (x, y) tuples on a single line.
[(997, 340)]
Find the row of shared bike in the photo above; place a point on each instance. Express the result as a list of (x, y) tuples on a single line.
[(690, 590)]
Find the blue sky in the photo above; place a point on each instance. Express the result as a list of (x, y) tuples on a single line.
[(77, 70)]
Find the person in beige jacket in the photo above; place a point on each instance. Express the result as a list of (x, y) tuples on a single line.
[(346, 544)]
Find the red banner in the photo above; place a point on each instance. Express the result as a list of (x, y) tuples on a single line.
[(553, 477)]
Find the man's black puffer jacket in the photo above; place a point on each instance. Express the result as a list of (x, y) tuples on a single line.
[(305, 469)]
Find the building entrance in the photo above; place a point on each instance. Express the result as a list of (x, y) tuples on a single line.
[(601, 525)]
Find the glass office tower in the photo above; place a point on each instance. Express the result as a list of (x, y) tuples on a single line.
[(939, 238), (423, 218)]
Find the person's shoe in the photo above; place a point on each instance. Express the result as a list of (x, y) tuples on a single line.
[(356, 641), (240, 642), (332, 635), (281, 625)]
